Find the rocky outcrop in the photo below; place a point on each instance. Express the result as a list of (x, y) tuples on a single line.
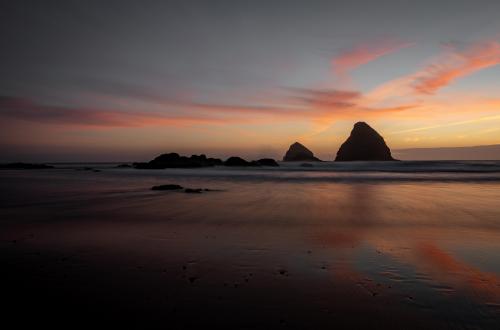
[(193, 190), (123, 166), (167, 187), (238, 161), (298, 153), (267, 162), (364, 144), (173, 187), (174, 160)]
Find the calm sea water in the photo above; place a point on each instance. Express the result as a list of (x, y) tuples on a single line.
[(411, 242)]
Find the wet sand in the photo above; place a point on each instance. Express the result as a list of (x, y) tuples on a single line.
[(91, 249)]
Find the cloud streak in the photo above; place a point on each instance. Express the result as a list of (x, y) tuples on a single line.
[(25, 109), (455, 65), (321, 106), (458, 123), (351, 59)]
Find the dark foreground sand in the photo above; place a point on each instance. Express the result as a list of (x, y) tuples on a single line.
[(102, 249)]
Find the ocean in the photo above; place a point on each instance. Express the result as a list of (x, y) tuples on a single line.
[(364, 244)]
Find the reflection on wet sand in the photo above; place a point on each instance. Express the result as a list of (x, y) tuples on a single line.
[(445, 268), (403, 255)]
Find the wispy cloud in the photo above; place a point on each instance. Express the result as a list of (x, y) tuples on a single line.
[(320, 106), (334, 99), (25, 109), (455, 64), (440, 72), (457, 123), (359, 55)]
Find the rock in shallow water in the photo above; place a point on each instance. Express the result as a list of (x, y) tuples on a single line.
[(193, 190), (167, 187)]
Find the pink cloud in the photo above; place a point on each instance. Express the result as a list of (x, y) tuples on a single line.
[(25, 109), (455, 65), (318, 105), (363, 54)]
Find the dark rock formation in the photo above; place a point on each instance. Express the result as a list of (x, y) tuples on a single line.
[(364, 144), (25, 166), (174, 160), (267, 162), (298, 153), (238, 161), (123, 166), (167, 187), (193, 190)]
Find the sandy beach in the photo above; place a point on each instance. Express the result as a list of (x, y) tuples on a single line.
[(269, 249)]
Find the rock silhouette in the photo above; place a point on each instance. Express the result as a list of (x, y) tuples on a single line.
[(298, 153), (238, 161), (174, 160), (267, 162), (123, 166), (364, 144), (193, 190), (167, 187)]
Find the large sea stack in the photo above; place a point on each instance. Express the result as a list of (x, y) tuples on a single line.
[(298, 153), (364, 144)]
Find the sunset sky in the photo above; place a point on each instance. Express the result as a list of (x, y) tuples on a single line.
[(126, 80)]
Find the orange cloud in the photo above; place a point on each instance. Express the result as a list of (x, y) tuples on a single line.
[(455, 65), (321, 106), (363, 54), (441, 72)]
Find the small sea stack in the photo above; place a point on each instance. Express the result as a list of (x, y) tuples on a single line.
[(364, 144), (299, 153)]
